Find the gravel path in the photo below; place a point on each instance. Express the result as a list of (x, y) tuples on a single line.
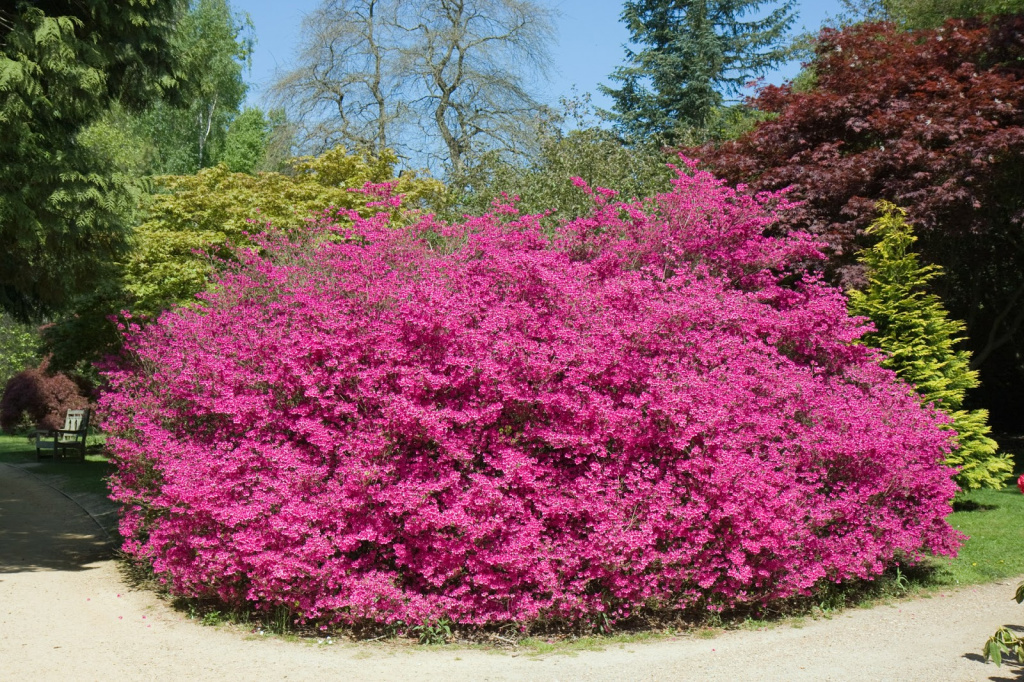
[(66, 614)]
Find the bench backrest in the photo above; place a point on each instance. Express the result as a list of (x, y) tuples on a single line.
[(76, 420)]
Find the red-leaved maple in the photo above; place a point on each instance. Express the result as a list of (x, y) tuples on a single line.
[(930, 120)]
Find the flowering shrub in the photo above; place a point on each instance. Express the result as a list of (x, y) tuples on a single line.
[(484, 422)]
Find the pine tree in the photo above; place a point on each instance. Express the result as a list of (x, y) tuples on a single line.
[(914, 330), (696, 52)]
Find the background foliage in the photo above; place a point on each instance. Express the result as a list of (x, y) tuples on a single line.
[(39, 398), (213, 45), (19, 347), (933, 121), (693, 54), (195, 217), (64, 210), (542, 183)]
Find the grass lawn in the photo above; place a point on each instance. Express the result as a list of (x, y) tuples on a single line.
[(996, 546), (994, 522), (70, 476)]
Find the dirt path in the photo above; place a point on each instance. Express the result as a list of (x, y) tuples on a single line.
[(66, 614)]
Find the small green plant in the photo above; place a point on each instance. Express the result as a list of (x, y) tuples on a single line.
[(1004, 641), (279, 621), (438, 633), (212, 618), (901, 584)]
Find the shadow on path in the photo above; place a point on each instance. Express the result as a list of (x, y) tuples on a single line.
[(41, 529)]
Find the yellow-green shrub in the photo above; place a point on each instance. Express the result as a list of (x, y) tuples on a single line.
[(191, 217)]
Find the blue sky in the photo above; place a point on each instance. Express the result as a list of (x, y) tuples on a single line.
[(589, 47)]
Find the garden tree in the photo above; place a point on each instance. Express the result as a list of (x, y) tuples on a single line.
[(692, 54), (213, 45), (253, 141), (920, 340), (119, 140), (542, 182), (477, 60), (437, 81), (38, 397), (62, 64), (933, 121), (280, 143), (213, 210), (19, 347), (348, 87)]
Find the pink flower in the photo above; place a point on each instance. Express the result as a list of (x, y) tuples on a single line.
[(487, 422)]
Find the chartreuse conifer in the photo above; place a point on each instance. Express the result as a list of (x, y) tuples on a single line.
[(920, 339)]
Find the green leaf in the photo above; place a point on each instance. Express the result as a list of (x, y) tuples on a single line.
[(993, 652)]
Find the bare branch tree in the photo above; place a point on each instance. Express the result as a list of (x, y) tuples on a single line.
[(346, 88), (475, 59), (437, 80)]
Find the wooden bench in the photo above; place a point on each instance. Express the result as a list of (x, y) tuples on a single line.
[(71, 437)]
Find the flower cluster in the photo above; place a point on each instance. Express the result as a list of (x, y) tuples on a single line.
[(489, 422)]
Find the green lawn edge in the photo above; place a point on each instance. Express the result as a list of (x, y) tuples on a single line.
[(992, 520)]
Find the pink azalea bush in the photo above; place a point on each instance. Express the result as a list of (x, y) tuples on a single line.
[(488, 423)]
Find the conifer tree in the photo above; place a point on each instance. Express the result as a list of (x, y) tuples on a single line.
[(695, 52), (919, 338)]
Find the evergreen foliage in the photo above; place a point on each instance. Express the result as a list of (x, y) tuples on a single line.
[(694, 52), (915, 331), (62, 211)]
